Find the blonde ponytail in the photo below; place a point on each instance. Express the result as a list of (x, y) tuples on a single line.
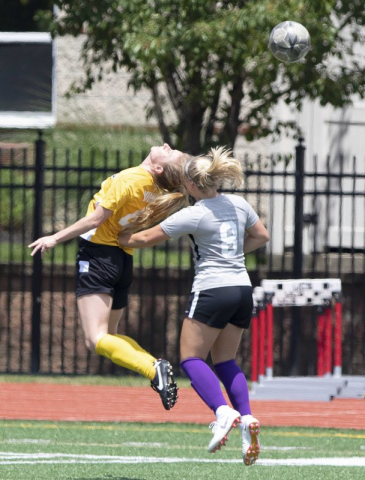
[(162, 207), (216, 169)]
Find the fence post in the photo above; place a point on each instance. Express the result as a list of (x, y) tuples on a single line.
[(298, 213), (37, 260), (298, 249), (337, 370)]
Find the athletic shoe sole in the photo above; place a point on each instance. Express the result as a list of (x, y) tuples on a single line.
[(253, 450)]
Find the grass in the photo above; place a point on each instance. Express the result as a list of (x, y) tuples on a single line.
[(126, 451), (147, 258), (66, 254)]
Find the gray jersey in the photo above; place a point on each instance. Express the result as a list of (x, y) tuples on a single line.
[(216, 229)]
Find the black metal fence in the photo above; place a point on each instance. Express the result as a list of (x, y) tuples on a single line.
[(314, 210)]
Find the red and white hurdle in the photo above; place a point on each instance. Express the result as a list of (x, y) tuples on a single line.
[(325, 295)]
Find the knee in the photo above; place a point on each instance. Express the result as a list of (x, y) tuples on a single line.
[(92, 340), (90, 345)]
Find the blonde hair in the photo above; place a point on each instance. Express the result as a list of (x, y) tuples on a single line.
[(216, 169), (172, 196)]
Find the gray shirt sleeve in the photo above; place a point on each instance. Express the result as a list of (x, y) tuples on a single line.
[(252, 216), (181, 223)]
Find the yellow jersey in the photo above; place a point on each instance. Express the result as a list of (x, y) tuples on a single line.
[(126, 194)]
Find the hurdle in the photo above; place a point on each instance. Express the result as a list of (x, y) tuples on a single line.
[(323, 294)]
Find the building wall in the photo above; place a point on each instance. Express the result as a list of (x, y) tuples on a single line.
[(110, 102)]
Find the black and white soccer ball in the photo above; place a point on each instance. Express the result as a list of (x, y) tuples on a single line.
[(289, 41)]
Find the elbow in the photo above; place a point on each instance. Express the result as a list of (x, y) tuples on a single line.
[(95, 219), (95, 222), (262, 239), (143, 240), (98, 217)]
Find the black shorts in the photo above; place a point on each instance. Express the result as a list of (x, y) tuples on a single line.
[(218, 306), (104, 269)]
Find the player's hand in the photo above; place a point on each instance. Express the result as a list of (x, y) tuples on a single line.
[(43, 244)]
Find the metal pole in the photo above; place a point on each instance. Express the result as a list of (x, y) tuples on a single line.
[(320, 340), (298, 212), (254, 349), (37, 260), (269, 336), (297, 250), (337, 370)]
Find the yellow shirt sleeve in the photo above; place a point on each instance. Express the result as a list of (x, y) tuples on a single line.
[(116, 196)]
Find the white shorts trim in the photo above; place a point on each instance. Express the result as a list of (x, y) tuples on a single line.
[(193, 305)]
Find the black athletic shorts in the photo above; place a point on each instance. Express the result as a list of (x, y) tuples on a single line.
[(218, 306), (104, 269)]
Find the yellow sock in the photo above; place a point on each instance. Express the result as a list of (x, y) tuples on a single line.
[(127, 353), (137, 347)]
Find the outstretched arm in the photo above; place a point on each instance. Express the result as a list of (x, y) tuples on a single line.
[(83, 225), (256, 236), (146, 238)]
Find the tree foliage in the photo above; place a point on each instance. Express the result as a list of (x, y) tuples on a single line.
[(208, 61)]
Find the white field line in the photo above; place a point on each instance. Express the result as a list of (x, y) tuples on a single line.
[(166, 446), (27, 440), (119, 445), (10, 458)]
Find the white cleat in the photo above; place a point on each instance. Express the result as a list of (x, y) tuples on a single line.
[(221, 428), (250, 439)]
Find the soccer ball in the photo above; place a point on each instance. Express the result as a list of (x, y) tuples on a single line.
[(289, 42)]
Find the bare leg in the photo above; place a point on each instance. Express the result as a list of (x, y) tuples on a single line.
[(114, 319), (94, 312), (196, 339), (226, 345)]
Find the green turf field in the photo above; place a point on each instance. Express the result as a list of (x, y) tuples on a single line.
[(48, 450)]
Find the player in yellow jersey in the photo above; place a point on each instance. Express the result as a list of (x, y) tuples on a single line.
[(134, 197)]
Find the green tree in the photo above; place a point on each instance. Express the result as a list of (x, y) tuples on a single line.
[(208, 63)]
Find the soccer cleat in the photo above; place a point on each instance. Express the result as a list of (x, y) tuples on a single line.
[(164, 383), (222, 427), (250, 439)]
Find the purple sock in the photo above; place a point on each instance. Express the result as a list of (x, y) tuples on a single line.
[(235, 384), (204, 382)]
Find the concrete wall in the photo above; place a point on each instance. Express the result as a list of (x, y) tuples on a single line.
[(110, 102)]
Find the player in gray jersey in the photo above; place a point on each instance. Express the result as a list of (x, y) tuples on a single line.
[(221, 229)]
